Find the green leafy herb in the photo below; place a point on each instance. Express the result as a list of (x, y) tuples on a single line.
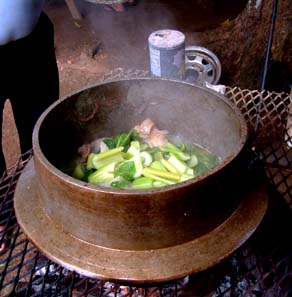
[(110, 142), (123, 139), (126, 170)]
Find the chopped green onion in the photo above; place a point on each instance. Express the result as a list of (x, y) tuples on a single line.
[(169, 166), (157, 178), (103, 175), (89, 164), (185, 177), (179, 165), (171, 148), (142, 183), (158, 165), (158, 184), (146, 158), (108, 153), (160, 173), (99, 163)]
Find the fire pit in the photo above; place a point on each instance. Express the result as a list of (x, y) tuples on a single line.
[(135, 235)]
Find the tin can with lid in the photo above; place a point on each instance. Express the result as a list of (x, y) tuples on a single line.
[(167, 53)]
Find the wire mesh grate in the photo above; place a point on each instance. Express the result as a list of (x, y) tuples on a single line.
[(261, 267)]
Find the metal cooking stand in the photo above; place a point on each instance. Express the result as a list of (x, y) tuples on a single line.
[(261, 267)]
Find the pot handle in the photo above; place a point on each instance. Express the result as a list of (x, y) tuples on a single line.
[(217, 88)]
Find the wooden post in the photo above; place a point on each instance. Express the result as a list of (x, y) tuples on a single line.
[(73, 9)]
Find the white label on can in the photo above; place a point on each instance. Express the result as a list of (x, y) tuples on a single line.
[(155, 61)]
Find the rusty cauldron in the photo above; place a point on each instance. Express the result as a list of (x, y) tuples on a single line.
[(148, 219)]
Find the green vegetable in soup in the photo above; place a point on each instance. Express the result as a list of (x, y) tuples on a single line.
[(142, 183), (125, 161), (121, 140), (119, 182), (126, 170)]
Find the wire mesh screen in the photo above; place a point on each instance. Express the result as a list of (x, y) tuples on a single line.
[(269, 118), (261, 267)]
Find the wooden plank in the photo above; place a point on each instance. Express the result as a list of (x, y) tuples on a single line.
[(73, 9)]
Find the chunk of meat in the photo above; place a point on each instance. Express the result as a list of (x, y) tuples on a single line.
[(157, 137), (84, 151), (145, 127), (88, 148), (151, 134)]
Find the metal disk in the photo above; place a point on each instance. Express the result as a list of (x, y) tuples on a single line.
[(201, 65)]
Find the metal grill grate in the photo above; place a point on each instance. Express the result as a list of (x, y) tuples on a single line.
[(261, 267), (272, 139), (272, 113)]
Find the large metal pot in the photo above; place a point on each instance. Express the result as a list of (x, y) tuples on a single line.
[(139, 219)]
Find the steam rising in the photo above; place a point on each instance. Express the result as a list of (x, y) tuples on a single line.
[(124, 35)]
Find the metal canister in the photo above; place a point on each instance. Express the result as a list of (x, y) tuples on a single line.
[(167, 53)]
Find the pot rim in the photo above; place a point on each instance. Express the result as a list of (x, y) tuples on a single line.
[(37, 151)]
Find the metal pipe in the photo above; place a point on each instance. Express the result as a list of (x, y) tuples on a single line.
[(267, 59), (269, 45)]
